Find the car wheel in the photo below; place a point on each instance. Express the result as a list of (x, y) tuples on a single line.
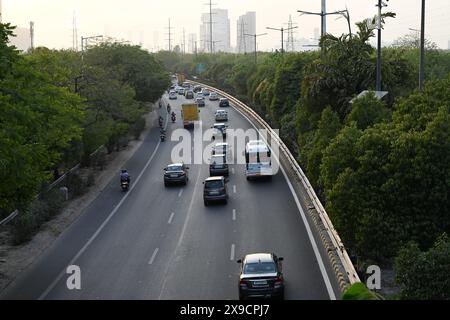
[(185, 182), (248, 178), (225, 201)]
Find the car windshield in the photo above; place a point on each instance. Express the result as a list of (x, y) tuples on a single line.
[(213, 184), (174, 168), (262, 267)]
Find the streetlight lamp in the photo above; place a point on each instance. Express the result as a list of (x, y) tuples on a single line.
[(282, 34), (255, 36)]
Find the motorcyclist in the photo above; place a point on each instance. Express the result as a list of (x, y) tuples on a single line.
[(168, 108), (174, 116), (124, 176), (161, 121), (162, 134)]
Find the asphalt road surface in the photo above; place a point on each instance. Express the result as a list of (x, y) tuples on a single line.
[(163, 243)]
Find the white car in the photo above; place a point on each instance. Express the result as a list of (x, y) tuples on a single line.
[(213, 96), (181, 91), (172, 95), (221, 115), (222, 148), (220, 130)]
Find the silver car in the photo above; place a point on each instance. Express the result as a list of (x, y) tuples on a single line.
[(221, 115), (213, 96)]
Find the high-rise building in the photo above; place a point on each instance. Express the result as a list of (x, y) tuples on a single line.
[(448, 45), (192, 42), (246, 24), (220, 31)]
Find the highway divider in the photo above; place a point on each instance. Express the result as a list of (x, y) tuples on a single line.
[(337, 254)]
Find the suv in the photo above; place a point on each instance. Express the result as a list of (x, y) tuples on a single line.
[(218, 165), (224, 102), (176, 173), (189, 94), (215, 189), (261, 276)]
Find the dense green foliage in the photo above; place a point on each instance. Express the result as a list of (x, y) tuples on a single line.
[(57, 107), (359, 291), (424, 275)]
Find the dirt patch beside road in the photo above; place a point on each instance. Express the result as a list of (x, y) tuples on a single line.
[(15, 259)]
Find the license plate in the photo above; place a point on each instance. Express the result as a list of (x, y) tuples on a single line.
[(260, 283), (173, 175), (213, 193)]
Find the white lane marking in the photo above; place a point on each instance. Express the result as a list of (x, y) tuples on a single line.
[(234, 214), (153, 256), (183, 231), (180, 193), (234, 188), (232, 170), (171, 218), (232, 252), (95, 235), (323, 271)]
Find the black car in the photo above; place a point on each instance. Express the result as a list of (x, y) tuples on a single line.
[(189, 94), (200, 102), (218, 165), (215, 189), (197, 89), (224, 102), (261, 276), (176, 173)]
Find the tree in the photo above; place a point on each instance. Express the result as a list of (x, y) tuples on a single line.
[(423, 275), (38, 122)]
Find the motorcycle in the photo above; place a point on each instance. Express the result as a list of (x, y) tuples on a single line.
[(174, 119), (163, 137), (125, 185)]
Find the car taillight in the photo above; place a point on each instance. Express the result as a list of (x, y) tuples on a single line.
[(243, 283), (278, 281)]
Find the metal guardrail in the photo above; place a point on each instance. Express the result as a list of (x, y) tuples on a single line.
[(331, 231)]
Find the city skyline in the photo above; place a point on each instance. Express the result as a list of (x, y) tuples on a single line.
[(131, 21)]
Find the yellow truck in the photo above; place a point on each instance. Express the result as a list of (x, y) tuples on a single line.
[(181, 79), (190, 114)]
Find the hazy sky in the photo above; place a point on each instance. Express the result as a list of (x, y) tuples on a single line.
[(146, 20)]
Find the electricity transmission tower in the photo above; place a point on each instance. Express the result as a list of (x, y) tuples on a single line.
[(290, 46), (74, 33), (170, 36), (242, 43)]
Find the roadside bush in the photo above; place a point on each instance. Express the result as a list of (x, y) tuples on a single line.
[(24, 226), (424, 274), (90, 179), (75, 184), (137, 128), (359, 291)]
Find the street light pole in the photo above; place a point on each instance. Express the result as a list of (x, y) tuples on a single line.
[(282, 35), (254, 36), (380, 5), (422, 48)]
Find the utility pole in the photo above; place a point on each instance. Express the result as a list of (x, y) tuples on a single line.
[(380, 5), (32, 35), (422, 48), (170, 36), (211, 42), (323, 14), (255, 36), (74, 33), (282, 35), (184, 42)]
